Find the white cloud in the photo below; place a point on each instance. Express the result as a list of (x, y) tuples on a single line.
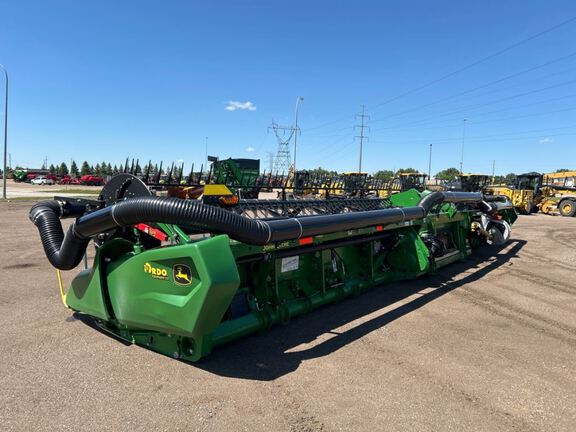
[(546, 140), (237, 105), (250, 149)]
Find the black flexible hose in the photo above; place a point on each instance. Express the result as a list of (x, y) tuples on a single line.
[(65, 252)]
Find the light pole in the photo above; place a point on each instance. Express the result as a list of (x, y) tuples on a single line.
[(5, 133), (430, 164), (206, 145), (463, 138), (300, 99)]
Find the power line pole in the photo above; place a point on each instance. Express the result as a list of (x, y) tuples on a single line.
[(493, 169), (206, 143), (296, 130), (284, 136), (463, 138), (362, 125), (430, 163)]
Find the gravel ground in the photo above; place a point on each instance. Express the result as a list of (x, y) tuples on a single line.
[(27, 190), (484, 345)]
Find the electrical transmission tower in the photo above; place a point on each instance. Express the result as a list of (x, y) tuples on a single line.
[(284, 135), (362, 137)]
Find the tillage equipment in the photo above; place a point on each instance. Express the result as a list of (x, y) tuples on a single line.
[(182, 276)]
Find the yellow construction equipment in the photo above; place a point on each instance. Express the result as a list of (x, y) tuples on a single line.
[(524, 193), (558, 194)]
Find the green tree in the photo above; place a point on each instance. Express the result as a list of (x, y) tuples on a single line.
[(449, 174), (407, 170), (115, 169), (109, 169), (97, 169), (320, 172), (63, 169), (562, 170), (74, 169), (510, 178), (384, 174), (85, 168), (52, 169)]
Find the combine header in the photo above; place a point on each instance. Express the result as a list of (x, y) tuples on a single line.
[(181, 276)]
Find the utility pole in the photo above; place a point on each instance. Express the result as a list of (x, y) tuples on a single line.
[(493, 169), (270, 161), (362, 125), (463, 138), (296, 130), (206, 153), (430, 163), (5, 133)]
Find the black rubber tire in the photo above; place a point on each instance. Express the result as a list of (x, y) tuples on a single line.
[(567, 208)]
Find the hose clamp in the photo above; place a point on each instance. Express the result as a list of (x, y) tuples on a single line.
[(112, 214), (300, 225)]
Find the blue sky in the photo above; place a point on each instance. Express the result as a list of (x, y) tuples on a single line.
[(108, 80)]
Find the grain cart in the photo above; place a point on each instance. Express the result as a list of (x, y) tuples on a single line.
[(182, 277)]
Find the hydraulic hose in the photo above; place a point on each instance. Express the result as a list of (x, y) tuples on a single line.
[(65, 252)]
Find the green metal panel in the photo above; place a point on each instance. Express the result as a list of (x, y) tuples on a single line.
[(410, 255), (86, 291), (181, 290)]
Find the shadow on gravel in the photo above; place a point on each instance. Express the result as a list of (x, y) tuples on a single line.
[(264, 356)]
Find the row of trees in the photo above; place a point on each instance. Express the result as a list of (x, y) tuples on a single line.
[(100, 169)]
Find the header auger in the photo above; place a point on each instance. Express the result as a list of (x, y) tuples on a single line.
[(181, 276)]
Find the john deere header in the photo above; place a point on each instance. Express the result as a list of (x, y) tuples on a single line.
[(182, 276)]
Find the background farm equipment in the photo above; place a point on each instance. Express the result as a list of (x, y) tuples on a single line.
[(28, 174), (181, 277), (558, 194), (474, 182), (534, 192), (241, 178), (523, 193)]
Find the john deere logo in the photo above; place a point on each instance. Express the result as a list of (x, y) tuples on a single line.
[(182, 274), (155, 272)]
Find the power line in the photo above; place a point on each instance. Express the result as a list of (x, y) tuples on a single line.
[(476, 115), (518, 95), (489, 137), (457, 71), (488, 84), (475, 63)]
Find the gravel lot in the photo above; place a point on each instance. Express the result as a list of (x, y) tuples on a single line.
[(484, 345), (27, 190)]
